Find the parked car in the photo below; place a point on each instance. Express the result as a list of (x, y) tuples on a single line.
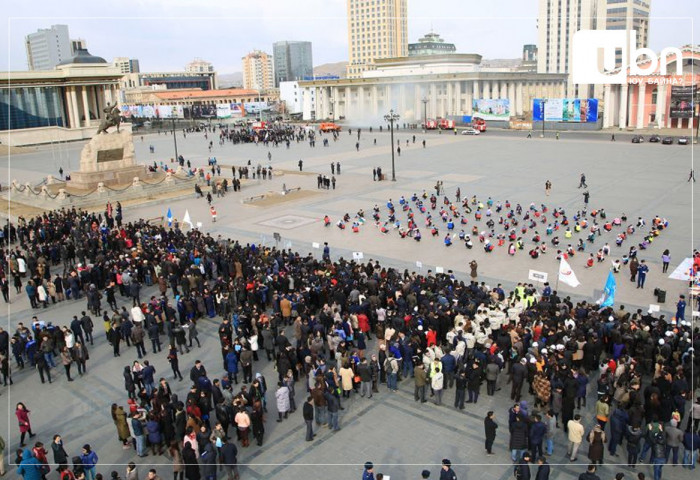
[(667, 141), (683, 140), (637, 139), (470, 131), (654, 139)]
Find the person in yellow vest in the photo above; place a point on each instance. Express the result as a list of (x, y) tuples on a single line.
[(212, 210)]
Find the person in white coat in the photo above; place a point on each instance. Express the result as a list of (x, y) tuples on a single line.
[(282, 396), (436, 382)]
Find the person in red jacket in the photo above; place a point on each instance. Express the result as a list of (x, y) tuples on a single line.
[(363, 323), (431, 337)]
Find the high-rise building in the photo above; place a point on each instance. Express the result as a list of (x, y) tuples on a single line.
[(126, 65), (292, 61), (199, 66), (77, 44), (529, 53), (48, 47), (430, 44), (376, 29), (257, 71), (559, 20)]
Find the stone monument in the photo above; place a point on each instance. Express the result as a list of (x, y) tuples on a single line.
[(108, 158)]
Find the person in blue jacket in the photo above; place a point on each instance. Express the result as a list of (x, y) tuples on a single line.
[(89, 462), (29, 467), (232, 366)]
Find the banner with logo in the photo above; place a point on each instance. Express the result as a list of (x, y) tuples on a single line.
[(491, 108)]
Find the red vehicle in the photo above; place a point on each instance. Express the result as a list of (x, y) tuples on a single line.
[(430, 125), (479, 123), (445, 124), (329, 127), (259, 126)]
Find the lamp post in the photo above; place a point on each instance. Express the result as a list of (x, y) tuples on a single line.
[(175, 138), (544, 118), (425, 112), (332, 101), (392, 117)]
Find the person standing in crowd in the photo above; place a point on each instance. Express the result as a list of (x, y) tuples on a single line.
[(490, 427)]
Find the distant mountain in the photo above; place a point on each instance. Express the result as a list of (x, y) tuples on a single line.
[(230, 80), (337, 69)]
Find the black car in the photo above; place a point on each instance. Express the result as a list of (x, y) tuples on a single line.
[(683, 140), (637, 139), (667, 141), (654, 139)]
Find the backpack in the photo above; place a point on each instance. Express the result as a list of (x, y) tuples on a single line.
[(388, 366)]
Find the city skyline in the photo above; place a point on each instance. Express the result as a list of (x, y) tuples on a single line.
[(155, 29)]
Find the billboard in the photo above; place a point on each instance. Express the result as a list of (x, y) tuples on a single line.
[(223, 110), (237, 110), (491, 109), (682, 101), (565, 110), (255, 107)]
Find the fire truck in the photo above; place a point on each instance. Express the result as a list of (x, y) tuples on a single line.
[(430, 125), (479, 124), (329, 127), (445, 124)]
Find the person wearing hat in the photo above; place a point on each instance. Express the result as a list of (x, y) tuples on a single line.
[(446, 473), (368, 474)]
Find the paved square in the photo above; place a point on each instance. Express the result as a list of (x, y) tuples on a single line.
[(288, 222)]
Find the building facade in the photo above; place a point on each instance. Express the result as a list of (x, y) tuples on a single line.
[(47, 47), (199, 66), (126, 65), (376, 29), (626, 15), (662, 100), (257, 71), (430, 44), (66, 103), (292, 61), (170, 80), (430, 86)]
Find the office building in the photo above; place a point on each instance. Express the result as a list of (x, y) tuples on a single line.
[(376, 29), (48, 47), (559, 20), (292, 61), (430, 44), (126, 65), (77, 44), (199, 66), (257, 71)]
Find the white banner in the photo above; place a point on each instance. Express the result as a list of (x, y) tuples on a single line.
[(567, 275), (536, 276), (682, 271)]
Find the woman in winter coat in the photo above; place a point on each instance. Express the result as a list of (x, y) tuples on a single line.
[(25, 425), (119, 418), (597, 445), (543, 390), (346, 376), (282, 396), (129, 383), (178, 463), (29, 467), (257, 420), (155, 437), (190, 460)]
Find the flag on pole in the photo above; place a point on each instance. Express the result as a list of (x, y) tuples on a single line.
[(187, 219), (608, 298), (566, 274), (170, 217)]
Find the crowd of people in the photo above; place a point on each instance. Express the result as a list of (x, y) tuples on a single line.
[(315, 319)]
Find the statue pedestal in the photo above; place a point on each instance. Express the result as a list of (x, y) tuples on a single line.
[(109, 159)]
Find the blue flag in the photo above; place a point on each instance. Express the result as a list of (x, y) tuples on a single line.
[(608, 298), (170, 218)]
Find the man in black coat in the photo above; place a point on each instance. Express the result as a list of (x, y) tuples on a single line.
[(519, 372), (542, 470), (490, 427), (309, 418), (229, 459), (522, 469)]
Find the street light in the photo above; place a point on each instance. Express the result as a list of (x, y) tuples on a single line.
[(175, 139), (332, 101), (425, 112), (544, 103), (392, 117)]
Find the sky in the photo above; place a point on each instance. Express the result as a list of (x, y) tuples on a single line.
[(164, 35)]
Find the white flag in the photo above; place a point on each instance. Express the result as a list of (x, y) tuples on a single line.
[(187, 219), (566, 274)]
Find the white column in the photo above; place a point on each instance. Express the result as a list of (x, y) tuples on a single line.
[(511, 97), (417, 105), (387, 99), (346, 103), (607, 103), (458, 98), (361, 99), (495, 91), (519, 98), (468, 94), (402, 101), (433, 112), (449, 109), (76, 111), (641, 105), (476, 94), (661, 105), (623, 106), (486, 93), (375, 101), (505, 87)]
